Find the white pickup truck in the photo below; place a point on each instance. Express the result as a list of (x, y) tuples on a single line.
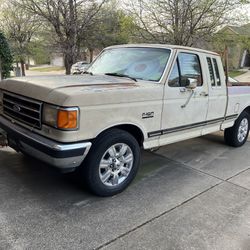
[(131, 97)]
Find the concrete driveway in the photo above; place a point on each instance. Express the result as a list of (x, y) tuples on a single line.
[(244, 77), (190, 195)]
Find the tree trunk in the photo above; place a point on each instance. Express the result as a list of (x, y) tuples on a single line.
[(22, 67), (27, 65), (69, 56), (91, 55), (71, 41), (67, 67), (69, 60)]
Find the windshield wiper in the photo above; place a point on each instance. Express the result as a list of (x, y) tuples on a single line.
[(121, 75), (87, 72)]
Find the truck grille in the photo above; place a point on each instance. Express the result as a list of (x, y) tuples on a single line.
[(22, 109)]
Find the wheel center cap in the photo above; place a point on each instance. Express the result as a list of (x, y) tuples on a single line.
[(116, 164)]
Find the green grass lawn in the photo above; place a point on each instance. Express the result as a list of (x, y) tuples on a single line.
[(235, 73), (47, 69)]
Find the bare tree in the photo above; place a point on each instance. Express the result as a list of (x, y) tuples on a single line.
[(111, 26), (181, 22), (69, 18)]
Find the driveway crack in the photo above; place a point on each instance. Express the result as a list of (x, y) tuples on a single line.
[(205, 173), (156, 217)]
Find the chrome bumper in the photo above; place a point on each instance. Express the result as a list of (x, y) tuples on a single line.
[(61, 155)]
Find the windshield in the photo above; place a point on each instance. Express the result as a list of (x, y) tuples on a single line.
[(139, 63)]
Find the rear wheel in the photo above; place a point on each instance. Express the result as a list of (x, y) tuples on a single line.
[(112, 163), (237, 135)]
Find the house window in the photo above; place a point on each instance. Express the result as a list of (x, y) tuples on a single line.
[(186, 68)]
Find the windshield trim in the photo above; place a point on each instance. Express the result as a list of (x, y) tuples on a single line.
[(136, 47)]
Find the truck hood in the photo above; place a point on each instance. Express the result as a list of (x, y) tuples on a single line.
[(78, 90)]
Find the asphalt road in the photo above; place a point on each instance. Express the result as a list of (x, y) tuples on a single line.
[(190, 195)]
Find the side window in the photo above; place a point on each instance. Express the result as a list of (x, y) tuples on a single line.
[(211, 71), (190, 68), (174, 79), (217, 74)]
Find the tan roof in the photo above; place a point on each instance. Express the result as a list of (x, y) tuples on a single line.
[(243, 30), (165, 46)]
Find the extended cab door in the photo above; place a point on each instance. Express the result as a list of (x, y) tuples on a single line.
[(217, 94), (184, 111)]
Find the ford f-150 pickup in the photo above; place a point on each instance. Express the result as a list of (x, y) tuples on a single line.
[(131, 97)]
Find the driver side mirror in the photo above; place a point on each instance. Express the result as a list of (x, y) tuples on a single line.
[(192, 83)]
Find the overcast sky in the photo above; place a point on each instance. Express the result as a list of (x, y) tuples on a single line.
[(245, 11)]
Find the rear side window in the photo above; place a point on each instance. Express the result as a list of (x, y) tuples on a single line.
[(211, 71), (186, 68), (217, 74)]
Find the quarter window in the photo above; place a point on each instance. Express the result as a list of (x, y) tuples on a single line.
[(217, 74), (211, 71)]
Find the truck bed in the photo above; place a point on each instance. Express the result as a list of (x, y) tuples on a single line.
[(235, 84)]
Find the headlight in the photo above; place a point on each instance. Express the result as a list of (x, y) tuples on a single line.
[(61, 118)]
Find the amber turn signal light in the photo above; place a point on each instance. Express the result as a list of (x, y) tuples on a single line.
[(67, 119)]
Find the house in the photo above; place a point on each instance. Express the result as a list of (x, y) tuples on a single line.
[(237, 40), (57, 58)]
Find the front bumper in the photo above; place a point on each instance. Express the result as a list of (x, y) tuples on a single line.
[(60, 155)]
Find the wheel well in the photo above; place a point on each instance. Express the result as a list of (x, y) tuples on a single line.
[(247, 110), (133, 130)]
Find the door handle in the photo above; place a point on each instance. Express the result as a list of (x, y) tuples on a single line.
[(203, 93)]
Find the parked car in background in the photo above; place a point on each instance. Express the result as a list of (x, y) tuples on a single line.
[(79, 67)]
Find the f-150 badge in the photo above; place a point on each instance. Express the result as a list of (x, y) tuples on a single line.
[(147, 115)]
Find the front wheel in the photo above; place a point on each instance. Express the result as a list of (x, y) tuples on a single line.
[(237, 135), (112, 163)]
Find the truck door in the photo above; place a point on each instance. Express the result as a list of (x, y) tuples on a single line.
[(217, 94), (184, 110)]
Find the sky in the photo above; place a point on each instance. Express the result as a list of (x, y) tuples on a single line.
[(245, 11), (237, 15)]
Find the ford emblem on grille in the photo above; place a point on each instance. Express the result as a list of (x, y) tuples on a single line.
[(16, 108)]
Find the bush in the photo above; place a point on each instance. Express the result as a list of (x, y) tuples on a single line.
[(5, 56)]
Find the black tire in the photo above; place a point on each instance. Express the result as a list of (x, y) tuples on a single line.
[(89, 170), (231, 134)]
